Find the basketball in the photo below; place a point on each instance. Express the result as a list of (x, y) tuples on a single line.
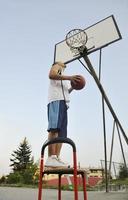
[(78, 85)]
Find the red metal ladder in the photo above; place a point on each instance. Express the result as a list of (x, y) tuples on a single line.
[(60, 172)]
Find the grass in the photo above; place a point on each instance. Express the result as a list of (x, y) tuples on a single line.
[(67, 187), (120, 182), (19, 185)]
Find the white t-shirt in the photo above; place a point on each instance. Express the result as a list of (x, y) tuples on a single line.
[(58, 90)]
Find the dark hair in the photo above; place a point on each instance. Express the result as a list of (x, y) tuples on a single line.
[(58, 63), (55, 63)]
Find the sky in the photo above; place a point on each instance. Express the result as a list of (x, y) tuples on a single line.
[(29, 30)]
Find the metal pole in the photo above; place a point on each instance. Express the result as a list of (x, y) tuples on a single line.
[(105, 147), (121, 146), (86, 59), (114, 169), (111, 148), (104, 128)]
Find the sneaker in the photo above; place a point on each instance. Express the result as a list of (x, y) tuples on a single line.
[(53, 161), (63, 163)]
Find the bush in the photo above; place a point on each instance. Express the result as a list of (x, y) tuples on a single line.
[(14, 178), (3, 179), (26, 176), (123, 172)]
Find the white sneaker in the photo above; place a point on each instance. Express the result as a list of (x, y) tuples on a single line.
[(53, 161), (63, 163)]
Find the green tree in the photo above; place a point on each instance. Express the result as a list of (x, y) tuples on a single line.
[(21, 157), (3, 179), (29, 176), (14, 177), (22, 163), (123, 172)]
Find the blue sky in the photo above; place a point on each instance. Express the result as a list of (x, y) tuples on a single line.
[(29, 32)]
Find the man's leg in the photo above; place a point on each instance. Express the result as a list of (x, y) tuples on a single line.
[(55, 114), (58, 149), (54, 153), (54, 149), (53, 159)]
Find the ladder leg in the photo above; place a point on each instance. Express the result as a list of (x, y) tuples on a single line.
[(59, 187), (75, 176), (40, 178), (84, 186)]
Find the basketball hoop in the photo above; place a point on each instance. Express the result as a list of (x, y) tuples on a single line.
[(76, 39)]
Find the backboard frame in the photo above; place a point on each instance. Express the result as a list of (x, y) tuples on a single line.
[(93, 49)]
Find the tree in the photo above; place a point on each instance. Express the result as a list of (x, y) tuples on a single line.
[(3, 179), (14, 177), (24, 168), (21, 157), (29, 174), (123, 172)]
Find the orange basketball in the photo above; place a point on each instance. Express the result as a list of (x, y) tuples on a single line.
[(78, 85)]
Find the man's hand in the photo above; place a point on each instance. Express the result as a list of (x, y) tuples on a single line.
[(75, 78)]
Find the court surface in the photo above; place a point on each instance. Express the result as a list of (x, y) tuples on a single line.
[(7, 193)]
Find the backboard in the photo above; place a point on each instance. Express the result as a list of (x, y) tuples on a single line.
[(99, 36)]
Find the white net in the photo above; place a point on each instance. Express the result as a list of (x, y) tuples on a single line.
[(76, 38)]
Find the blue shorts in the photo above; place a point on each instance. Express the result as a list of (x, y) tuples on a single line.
[(57, 118)]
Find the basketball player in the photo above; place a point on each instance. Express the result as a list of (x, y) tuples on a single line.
[(58, 103)]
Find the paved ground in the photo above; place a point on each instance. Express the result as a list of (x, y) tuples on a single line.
[(32, 194)]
